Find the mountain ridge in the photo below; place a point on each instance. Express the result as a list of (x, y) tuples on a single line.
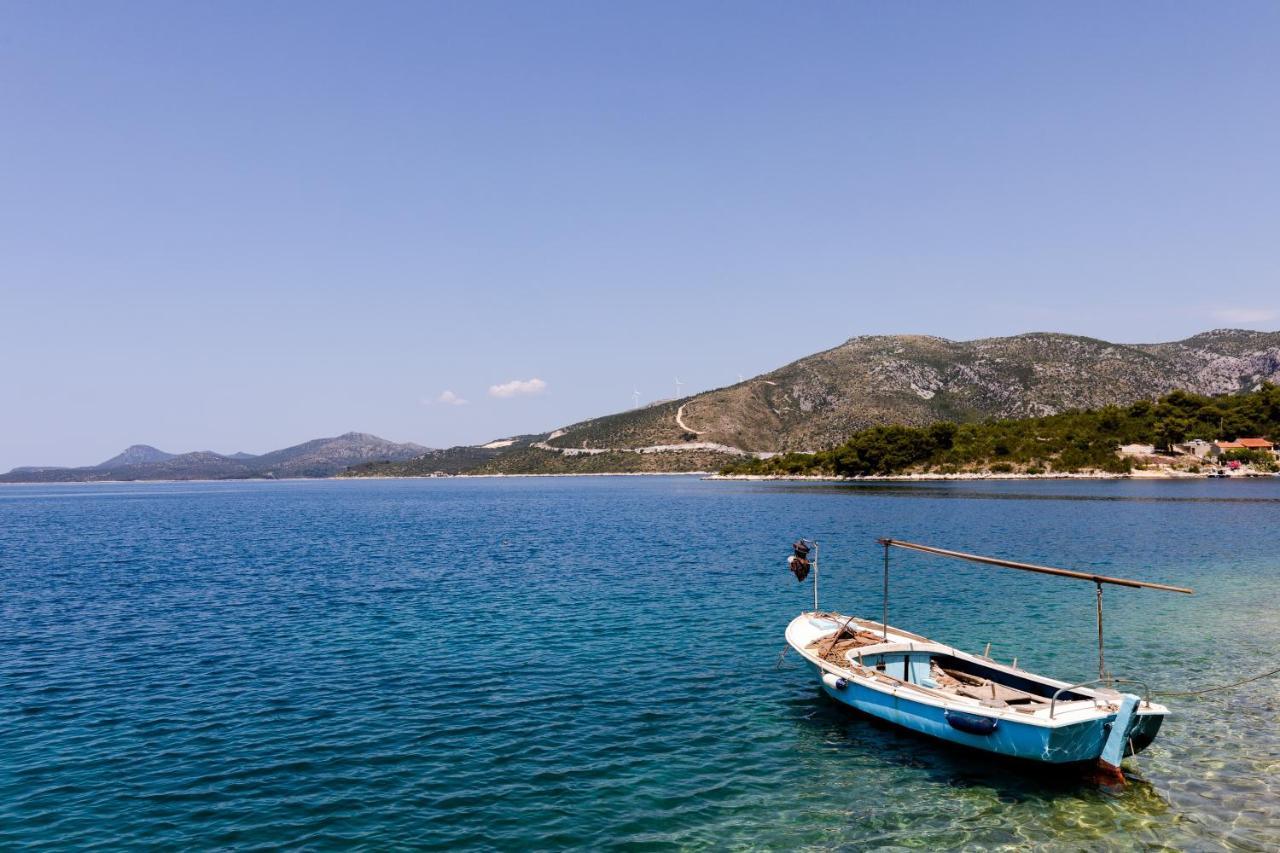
[(812, 403), (872, 380), (136, 454), (321, 457)]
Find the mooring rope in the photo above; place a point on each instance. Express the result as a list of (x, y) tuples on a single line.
[(1215, 689)]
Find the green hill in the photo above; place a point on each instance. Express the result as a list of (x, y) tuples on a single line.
[(1061, 443), (914, 380)]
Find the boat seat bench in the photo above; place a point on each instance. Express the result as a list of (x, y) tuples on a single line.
[(985, 690)]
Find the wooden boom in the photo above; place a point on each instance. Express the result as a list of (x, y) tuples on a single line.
[(1028, 567)]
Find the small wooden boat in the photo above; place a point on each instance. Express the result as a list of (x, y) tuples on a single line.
[(937, 690)]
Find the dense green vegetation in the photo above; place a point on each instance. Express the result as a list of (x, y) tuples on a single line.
[(1066, 442), (1256, 458)]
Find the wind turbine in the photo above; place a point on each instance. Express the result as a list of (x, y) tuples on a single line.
[(635, 398), (678, 386)]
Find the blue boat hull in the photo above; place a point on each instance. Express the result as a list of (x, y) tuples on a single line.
[(1066, 744)]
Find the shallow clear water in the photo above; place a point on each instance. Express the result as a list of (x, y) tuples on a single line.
[(592, 663)]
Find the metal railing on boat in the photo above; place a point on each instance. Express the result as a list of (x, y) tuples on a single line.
[(1146, 690)]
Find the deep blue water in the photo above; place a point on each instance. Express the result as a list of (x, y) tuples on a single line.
[(589, 663)]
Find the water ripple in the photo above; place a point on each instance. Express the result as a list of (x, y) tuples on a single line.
[(591, 664)]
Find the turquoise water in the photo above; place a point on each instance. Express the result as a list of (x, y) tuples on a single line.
[(589, 663)]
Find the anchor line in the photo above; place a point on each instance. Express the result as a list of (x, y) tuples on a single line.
[(1219, 687)]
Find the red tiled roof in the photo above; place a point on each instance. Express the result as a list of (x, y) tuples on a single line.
[(1260, 443), (1229, 445)]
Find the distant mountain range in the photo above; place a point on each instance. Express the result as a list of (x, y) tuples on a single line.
[(322, 457), (811, 404)]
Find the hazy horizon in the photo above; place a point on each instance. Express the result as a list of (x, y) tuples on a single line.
[(240, 227)]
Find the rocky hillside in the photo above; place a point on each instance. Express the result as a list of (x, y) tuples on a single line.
[(822, 399), (325, 457), (138, 454), (454, 460), (322, 457)]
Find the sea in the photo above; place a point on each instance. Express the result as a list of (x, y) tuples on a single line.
[(596, 663)]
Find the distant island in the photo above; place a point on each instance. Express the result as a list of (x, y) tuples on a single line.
[(323, 457), (807, 410)]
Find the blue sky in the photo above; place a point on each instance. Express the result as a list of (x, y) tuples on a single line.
[(239, 226)]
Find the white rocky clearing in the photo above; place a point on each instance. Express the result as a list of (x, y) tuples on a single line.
[(652, 448), (656, 448), (684, 426)]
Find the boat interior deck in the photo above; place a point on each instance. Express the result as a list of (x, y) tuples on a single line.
[(987, 691), (939, 673)]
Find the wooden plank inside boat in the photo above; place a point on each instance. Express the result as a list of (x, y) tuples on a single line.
[(835, 652)]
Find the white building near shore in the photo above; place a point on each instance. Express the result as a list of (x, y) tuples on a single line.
[(1197, 447), (1137, 449)]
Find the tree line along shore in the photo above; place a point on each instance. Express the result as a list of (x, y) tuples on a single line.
[(1072, 442)]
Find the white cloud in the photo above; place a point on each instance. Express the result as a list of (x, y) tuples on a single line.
[(1245, 315), (448, 398), (516, 387)]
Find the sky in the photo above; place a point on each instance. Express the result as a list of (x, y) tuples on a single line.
[(239, 226)]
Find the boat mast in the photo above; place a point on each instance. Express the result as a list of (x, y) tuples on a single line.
[(814, 543), (885, 610), (1102, 664), (1098, 581)]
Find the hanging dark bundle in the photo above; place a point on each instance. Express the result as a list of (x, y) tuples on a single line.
[(799, 561)]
